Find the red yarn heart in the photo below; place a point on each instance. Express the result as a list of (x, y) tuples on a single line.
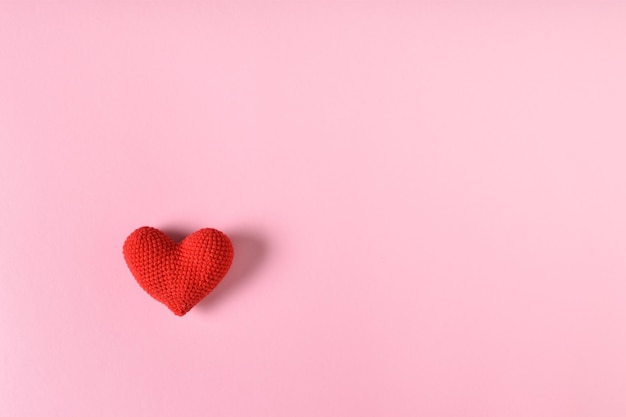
[(178, 274)]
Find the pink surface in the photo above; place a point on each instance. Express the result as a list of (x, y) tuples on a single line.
[(427, 204)]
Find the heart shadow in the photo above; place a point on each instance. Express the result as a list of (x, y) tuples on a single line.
[(251, 250)]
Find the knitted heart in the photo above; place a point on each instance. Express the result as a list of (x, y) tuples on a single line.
[(178, 274)]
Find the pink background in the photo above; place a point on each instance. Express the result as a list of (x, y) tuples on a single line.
[(427, 203)]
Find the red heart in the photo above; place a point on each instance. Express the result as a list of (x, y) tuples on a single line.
[(178, 274)]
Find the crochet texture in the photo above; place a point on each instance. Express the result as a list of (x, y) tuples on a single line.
[(178, 275)]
